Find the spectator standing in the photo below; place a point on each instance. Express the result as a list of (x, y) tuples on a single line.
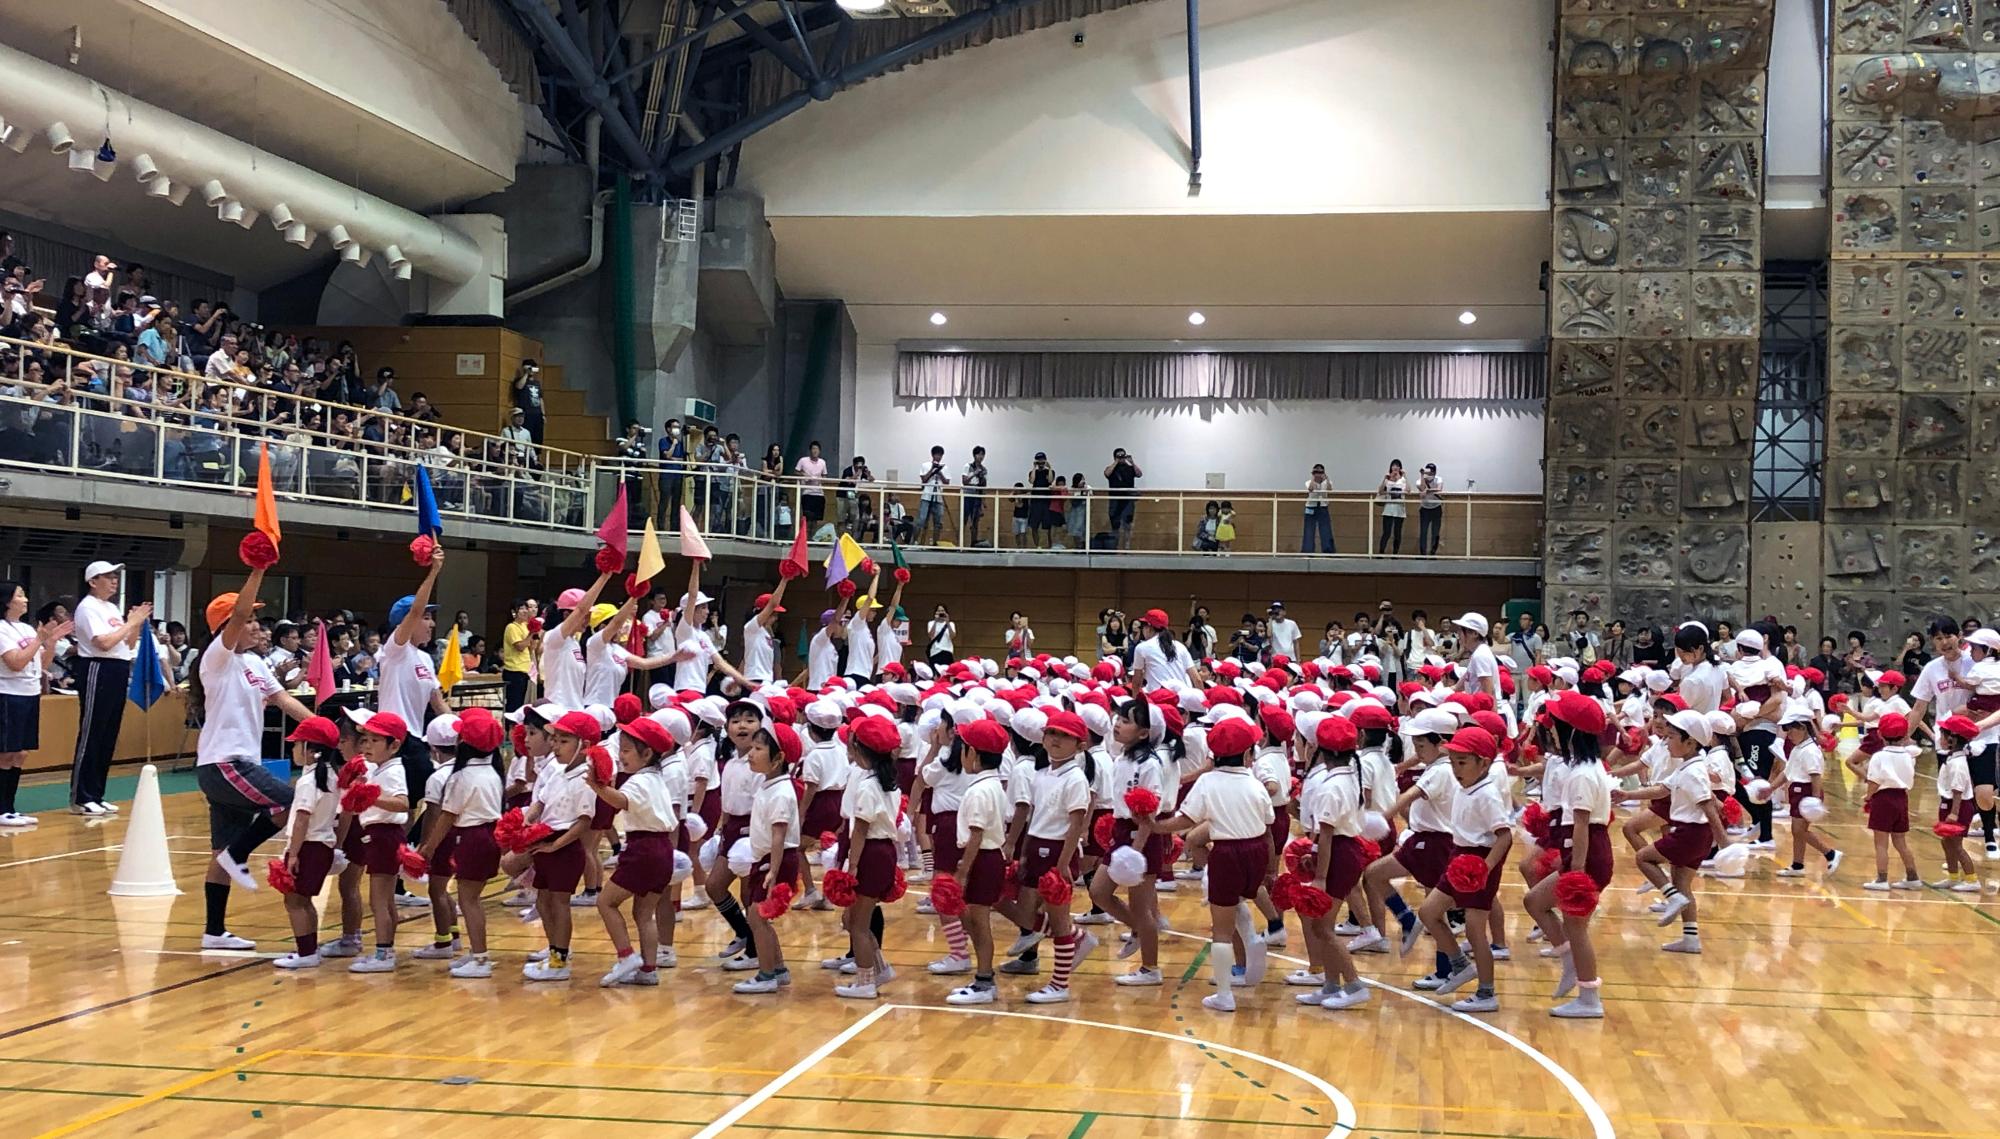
[(726, 462), (1201, 635), (383, 397), (1333, 642), (943, 632), (1319, 517), (528, 398), (106, 640), (1581, 640), (973, 501), (517, 652), (1389, 646), (1829, 665), (97, 289), (1856, 662), (1112, 639), (767, 495), (1248, 642), (520, 443), (1790, 652), (1430, 510), (1041, 478), (855, 515), (1284, 631), (1615, 647), (1420, 642), (1122, 476), (1649, 647), (812, 486), (673, 474), (1020, 638), (1078, 512), (25, 652), (1525, 645), (1362, 641), (1394, 487), (1058, 513), (930, 500)]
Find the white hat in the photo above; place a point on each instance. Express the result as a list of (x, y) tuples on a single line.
[(1193, 700), (1431, 722), (1223, 712), (901, 693), (1796, 712), (1029, 722), (922, 670), (1001, 712), (965, 711), (659, 696), (442, 732), (677, 723), (824, 714), (1307, 723), (548, 710), (1694, 725), (1475, 622), (359, 717), (699, 598), (1567, 675), (1751, 639), (100, 568), (1095, 718), (1721, 723), (1658, 680), (710, 710), (1309, 700), (606, 718), (1985, 638)]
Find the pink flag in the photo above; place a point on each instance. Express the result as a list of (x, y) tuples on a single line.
[(692, 547), (319, 671), (614, 533)]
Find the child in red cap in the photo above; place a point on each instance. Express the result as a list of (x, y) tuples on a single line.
[(1891, 772)]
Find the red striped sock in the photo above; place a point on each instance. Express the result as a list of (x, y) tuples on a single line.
[(1065, 959), (956, 937)]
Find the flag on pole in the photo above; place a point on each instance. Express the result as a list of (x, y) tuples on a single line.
[(428, 520), (319, 670), (266, 518), (847, 554), (651, 560), (451, 669), (615, 533), (896, 556), (794, 565), (149, 680), (692, 546)]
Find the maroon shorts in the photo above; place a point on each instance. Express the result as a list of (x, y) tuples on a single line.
[(1281, 825), (315, 859), (647, 866), (1661, 807), (1481, 899), (475, 857), (711, 809), (1236, 868), (517, 802), (1596, 859), (788, 872), (1158, 846), (447, 849), (1038, 858), (1800, 793), (1090, 844), (1424, 854), (987, 877), (1889, 811), (560, 869), (1962, 816), (380, 845), (733, 828), (875, 868), (944, 839), (1344, 866), (906, 773), (1686, 844), (822, 815), (602, 814)]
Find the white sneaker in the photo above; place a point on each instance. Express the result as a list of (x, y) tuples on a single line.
[(622, 970), (1224, 1001), (741, 963), (16, 819), (1279, 939), (665, 958), (1170, 886), (583, 901), (1347, 929), (338, 947), (1943, 884), (1764, 844), (646, 980), (1302, 977), (1140, 977), (1476, 1003), (237, 871), (696, 900), (227, 940), (1792, 872), (376, 962), (1502, 953), (1023, 943), (1691, 945), (1347, 998), (1875, 884), (1459, 978), (1536, 934), (540, 971), (1906, 884), (1370, 941), (518, 899), (1085, 946), (104, 808), (813, 900), (917, 875), (1992, 849), (757, 984), (537, 955), (858, 991), (1965, 886), (924, 906), (297, 961), (836, 964), (413, 901), (1674, 906), (1833, 864), (974, 995), (1049, 995), (472, 967), (436, 952), (1657, 908), (1092, 919), (949, 966)]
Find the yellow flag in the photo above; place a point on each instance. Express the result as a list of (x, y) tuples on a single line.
[(651, 560), (451, 669)]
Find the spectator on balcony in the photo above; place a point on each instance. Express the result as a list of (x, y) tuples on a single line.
[(726, 461), (155, 346), (930, 501), (382, 394), (856, 517), (632, 448), (97, 289), (1430, 511), (22, 294), (519, 443), (1205, 530), (203, 329), (1077, 513), (1318, 529), (812, 487), (1058, 512), (1041, 478), (769, 508), (528, 397), (422, 409), (674, 453), (1122, 476), (1394, 487), (341, 382), (72, 309), (973, 501)]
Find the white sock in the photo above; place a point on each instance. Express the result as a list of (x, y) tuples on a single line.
[(1221, 962)]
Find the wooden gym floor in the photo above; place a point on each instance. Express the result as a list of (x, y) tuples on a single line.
[(1819, 1010)]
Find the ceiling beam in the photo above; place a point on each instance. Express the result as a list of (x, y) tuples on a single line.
[(583, 72)]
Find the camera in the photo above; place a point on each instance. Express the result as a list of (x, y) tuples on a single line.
[(645, 432)]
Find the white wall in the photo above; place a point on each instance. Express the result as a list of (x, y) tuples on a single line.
[(1795, 123), (1307, 106), (1258, 446)]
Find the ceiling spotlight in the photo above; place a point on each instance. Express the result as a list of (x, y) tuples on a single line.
[(59, 138), (143, 167), (179, 193), (81, 160), (338, 235), (212, 193), (281, 217), (249, 217), (1467, 317), (863, 5), (352, 252), (231, 210), (1197, 319), (297, 234), (395, 254), (159, 186), (403, 270), (15, 138), (938, 319)]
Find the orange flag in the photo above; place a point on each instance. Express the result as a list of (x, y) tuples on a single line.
[(266, 518)]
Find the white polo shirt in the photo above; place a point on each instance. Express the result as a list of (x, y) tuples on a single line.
[(94, 618), (984, 805), (1232, 801), (864, 801), (1058, 793)]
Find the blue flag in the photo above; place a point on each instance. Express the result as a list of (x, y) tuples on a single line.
[(428, 521), (149, 681)]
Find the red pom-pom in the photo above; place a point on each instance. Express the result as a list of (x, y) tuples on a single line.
[(1466, 874), (518, 736), (1297, 787), (901, 574), (947, 896), (280, 879), (1103, 830), (1632, 742), (539, 833), (507, 831), (1312, 902), (422, 547), (1054, 888), (1285, 890), (351, 772), (609, 560), (846, 590), (829, 840), (839, 886), (1949, 830), (635, 586), (867, 566), (1838, 702), (1732, 813), (1530, 754), (1141, 801), (1370, 850), (1827, 741), (1576, 894), (897, 887), (1535, 820), (535, 624), (1174, 850), (1546, 863), (600, 762), (777, 904), (413, 862), (1298, 855), (790, 570), (1010, 881), (360, 797), (257, 551), (902, 808)]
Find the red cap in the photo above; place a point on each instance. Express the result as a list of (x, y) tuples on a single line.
[(478, 730), (1372, 716), (1473, 741), (1578, 711), (875, 733), (1894, 726), (1279, 722), (650, 734), (781, 709), (1542, 674), (1232, 737), (318, 730), (1157, 618), (764, 599), (1813, 676), (1491, 722), (1223, 694), (1171, 715), (1336, 733), (790, 746), (1960, 726), (626, 708), (984, 736), (1067, 723), (582, 725), (1889, 679), (387, 725)]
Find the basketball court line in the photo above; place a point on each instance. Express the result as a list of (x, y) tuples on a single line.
[(177, 1087), (756, 1099)]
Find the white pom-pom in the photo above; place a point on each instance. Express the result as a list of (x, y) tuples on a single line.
[(698, 830), (709, 851), (683, 866), (829, 857), (1846, 748), (904, 835), (740, 860), (1759, 790), (1812, 809), (1732, 860), (1374, 827), (1127, 866)]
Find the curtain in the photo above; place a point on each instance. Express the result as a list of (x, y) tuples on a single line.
[(1221, 375)]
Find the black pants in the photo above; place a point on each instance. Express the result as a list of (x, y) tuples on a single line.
[(516, 687), (103, 690), (1760, 754), (1392, 536), (1430, 525)]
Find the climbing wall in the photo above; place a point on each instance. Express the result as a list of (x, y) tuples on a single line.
[(1913, 371), (1655, 306)]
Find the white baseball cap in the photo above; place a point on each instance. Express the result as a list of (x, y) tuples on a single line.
[(100, 568), (1984, 638), (442, 732), (1431, 722), (1476, 622), (1751, 639)]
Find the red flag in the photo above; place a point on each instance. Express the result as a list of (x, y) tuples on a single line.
[(319, 671), (265, 518), (794, 564), (614, 533)]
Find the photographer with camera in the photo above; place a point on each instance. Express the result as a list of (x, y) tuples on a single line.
[(930, 501), (632, 447), (528, 397), (1121, 475)]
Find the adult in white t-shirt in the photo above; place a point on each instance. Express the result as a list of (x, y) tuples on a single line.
[(696, 655), (1283, 632), (407, 677), (822, 654), (24, 652), (246, 803), (812, 486), (1482, 668), (562, 650), (106, 639), (942, 630), (760, 637), (1938, 688)]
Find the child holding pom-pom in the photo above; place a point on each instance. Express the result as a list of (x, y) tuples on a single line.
[(1955, 803), (374, 838), (461, 840), (562, 806), (823, 779), (1803, 774), (1891, 771), (868, 804), (1563, 897), (1338, 860), (1058, 813), (1233, 806), (314, 821), (1141, 774), (981, 870), (1481, 835), (649, 807), (941, 783), (773, 831), (1694, 824)]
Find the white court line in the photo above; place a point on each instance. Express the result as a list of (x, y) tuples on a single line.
[(729, 1118), (246, 954), (1600, 1123), (1343, 1107), (65, 854)]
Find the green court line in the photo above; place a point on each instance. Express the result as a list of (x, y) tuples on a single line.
[(1195, 965), (1083, 1123)]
